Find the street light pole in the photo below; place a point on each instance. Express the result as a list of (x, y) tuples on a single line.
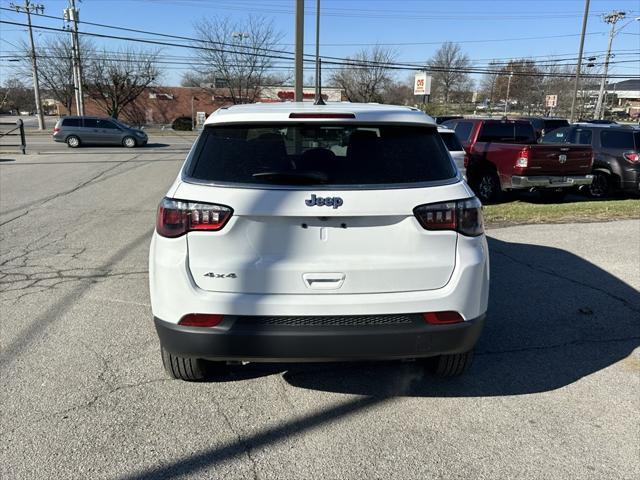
[(27, 8), (506, 103), (575, 87), (299, 71)]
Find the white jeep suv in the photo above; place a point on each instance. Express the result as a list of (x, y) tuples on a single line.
[(299, 232)]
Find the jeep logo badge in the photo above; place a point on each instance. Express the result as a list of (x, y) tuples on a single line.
[(334, 202)]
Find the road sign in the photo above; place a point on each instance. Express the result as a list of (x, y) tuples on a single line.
[(422, 84), (200, 119), (551, 101)]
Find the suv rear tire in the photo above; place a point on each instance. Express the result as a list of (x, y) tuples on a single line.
[(450, 365), (73, 141), (600, 187), (183, 368)]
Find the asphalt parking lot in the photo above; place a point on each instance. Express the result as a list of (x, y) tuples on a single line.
[(554, 391)]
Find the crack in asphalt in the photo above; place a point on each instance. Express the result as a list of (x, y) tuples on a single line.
[(246, 446), (79, 186), (89, 403), (573, 343), (552, 273)]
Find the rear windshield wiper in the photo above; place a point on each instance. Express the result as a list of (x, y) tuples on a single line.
[(301, 178)]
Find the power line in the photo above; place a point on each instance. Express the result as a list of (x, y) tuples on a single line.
[(341, 61)]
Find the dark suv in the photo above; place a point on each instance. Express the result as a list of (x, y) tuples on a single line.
[(616, 163), (544, 125), (77, 131)]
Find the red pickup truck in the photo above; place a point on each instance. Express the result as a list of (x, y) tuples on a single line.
[(504, 155)]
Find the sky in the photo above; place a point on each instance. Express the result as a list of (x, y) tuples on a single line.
[(485, 29)]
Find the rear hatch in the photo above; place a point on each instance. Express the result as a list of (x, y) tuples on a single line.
[(322, 208), (547, 159)]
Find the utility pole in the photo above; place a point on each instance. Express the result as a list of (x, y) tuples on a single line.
[(575, 86), (71, 14), (298, 97), (27, 8), (611, 18), (319, 100)]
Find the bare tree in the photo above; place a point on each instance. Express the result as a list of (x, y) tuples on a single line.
[(236, 54), (525, 85), (116, 79), (16, 96), (55, 67), (366, 76), (447, 70)]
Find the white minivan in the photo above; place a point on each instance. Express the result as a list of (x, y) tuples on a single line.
[(300, 232)]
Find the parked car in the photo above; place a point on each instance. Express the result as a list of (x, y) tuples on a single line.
[(183, 124), (443, 118), (543, 125), (504, 155), (455, 148), (76, 131), (616, 164), (275, 243)]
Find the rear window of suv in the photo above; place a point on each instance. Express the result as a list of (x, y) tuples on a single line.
[(320, 154), (617, 139)]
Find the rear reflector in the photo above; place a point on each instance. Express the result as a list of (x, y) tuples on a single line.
[(177, 217), (322, 115), (462, 216), (201, 320), (442, 318)]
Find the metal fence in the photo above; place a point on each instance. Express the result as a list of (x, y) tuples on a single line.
[(17, 130)]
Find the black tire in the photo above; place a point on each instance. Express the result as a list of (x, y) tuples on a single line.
[(129, 142), (601, 185), (72, 141), (450, 365), (549, 195), (486, 185), (183, 368)]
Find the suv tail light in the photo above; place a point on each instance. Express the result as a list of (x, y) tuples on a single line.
[(56, 129), (201, 320), (632, 157), (177, 217), (462, 216)]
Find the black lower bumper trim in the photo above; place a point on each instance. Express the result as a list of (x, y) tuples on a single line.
[(272, 344)]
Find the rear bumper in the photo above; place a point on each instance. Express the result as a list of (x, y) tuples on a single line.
[(246, 341), (549, 181)]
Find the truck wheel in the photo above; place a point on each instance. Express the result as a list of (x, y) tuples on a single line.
[(553, 196), (450, 365), (601, 185), (183, 368), (486, 184)]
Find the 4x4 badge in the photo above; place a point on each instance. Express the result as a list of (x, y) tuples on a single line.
[(220, 275), (334, 202)]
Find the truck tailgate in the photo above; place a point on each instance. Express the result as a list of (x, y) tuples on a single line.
[(559, 160)]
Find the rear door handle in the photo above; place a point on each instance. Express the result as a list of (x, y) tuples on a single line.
[(323, 281)]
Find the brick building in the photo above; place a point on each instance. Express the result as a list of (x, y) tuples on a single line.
[(163, 105)]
